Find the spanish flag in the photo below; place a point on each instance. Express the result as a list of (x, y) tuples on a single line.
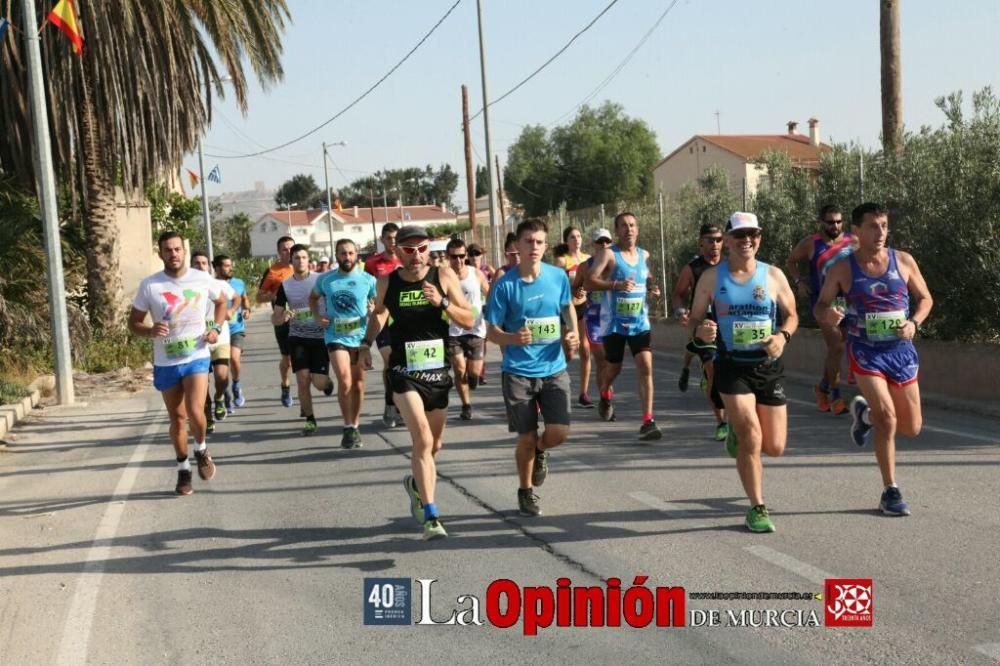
[(195, 178), (64, 17)]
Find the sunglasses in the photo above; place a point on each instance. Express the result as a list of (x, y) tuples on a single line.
[(456, 256), (414, 249), (712, 239), (603, 241), (746, 233)]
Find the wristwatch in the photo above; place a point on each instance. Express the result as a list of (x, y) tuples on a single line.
[(445, 302)]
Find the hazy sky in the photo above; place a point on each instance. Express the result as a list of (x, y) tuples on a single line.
[(758, 63)]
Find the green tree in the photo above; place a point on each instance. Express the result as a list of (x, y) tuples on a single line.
[(412, 185), (531, 178), (300, 190), (236, 235), (482, 181), (128, 111)]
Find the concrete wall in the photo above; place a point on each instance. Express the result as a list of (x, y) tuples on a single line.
[(138, 257), (951, 374)]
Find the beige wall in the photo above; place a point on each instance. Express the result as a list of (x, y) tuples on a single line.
[(138, 257), (694, 159)]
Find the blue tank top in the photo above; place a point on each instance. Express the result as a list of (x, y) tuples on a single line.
[(877, 306), (745, 312), (625, 312)]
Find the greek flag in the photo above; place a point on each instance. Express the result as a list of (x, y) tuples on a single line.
[(4, 24), (215, 175)]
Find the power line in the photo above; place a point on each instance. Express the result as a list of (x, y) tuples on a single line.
[(359, 98), (620, 66), (549, 61)]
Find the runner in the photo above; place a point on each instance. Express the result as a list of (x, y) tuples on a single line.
[(749, 298), (346, 294), (310, 362), (709, 254), (323, 265), (528, 308), (822, 250), (379, 265), (219, 351), (239, 314), (479, 262), (573, 259), (279, 271), (511, 255), (465, 345), (415, 296), (175, 300), (887, 301), (621, 271), (589, 326)]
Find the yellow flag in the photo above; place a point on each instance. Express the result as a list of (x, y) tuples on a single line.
[(64, 17)]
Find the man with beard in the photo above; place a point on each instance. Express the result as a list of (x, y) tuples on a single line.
[(175, 299), (220, 351), (822, 250), (346, 294)]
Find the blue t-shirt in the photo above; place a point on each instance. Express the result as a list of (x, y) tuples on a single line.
[(515, 303), (346, 296), (236, 323)]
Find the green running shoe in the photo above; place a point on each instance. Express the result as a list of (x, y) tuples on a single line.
[(220, 410), (731, 442), (416, 506), (310, 428), (721, 431), (759, 520), (433, 529), (356, 442)]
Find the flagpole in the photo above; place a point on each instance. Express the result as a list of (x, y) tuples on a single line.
[(206, 216), (329, 204), (63, 361)]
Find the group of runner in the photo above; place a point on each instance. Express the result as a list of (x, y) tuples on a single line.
[(431, 323)]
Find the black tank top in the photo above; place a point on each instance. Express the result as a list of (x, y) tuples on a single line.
[(413, 317), (698, 266)]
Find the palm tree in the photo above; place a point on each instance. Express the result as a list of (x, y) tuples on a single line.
[(128, 110)]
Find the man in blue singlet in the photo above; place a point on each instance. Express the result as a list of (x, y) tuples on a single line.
[(622, 273), (747, 296), (822, 250), (887, 301)]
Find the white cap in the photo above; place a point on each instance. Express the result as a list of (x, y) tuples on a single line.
[(324, 259), (598, 234), (742, 221)]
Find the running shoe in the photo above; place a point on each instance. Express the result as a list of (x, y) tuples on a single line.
[(356, 438), (838, 406), (184, 486), (466, 414), (649, 431), (721, 431), (310, 428), (229, 404), (606, 410), (416, 506), (682, 383), (482, 379), (238, 399), (433, 529), (389, 416), (527, 503), (347, 439), (328, 390), (860, 431), (585, 401), (210, 428), (731, 443), (759, 520), (541, 469), (822, 399), (206, 466), (286, 397), (892, 503), (220, 411)]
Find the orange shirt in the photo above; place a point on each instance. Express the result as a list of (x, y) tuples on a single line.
[(274, 276)]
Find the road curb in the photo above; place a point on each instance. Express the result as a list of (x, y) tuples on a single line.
[(11, 414)]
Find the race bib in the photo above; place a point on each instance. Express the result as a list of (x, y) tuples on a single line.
[(303, 315), (748, 335), (543, 329), (351, 326), (425, 355), (629, 307), (180, 347), (881, 326)]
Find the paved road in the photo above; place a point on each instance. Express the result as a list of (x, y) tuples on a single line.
[(101, 563)]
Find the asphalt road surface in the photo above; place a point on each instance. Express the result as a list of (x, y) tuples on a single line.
[(101, 563)]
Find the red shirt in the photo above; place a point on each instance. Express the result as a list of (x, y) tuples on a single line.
[(379, 266)]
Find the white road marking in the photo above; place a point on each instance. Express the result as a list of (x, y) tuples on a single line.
[(79, 620), (672, 510), (789, 563), (991, 650)]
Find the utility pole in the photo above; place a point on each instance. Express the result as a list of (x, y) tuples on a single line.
[(329, 203), (486, 132), (470, 176), (663, 252), (205, 215), (503, 215), (892, 77), (63, 361)]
